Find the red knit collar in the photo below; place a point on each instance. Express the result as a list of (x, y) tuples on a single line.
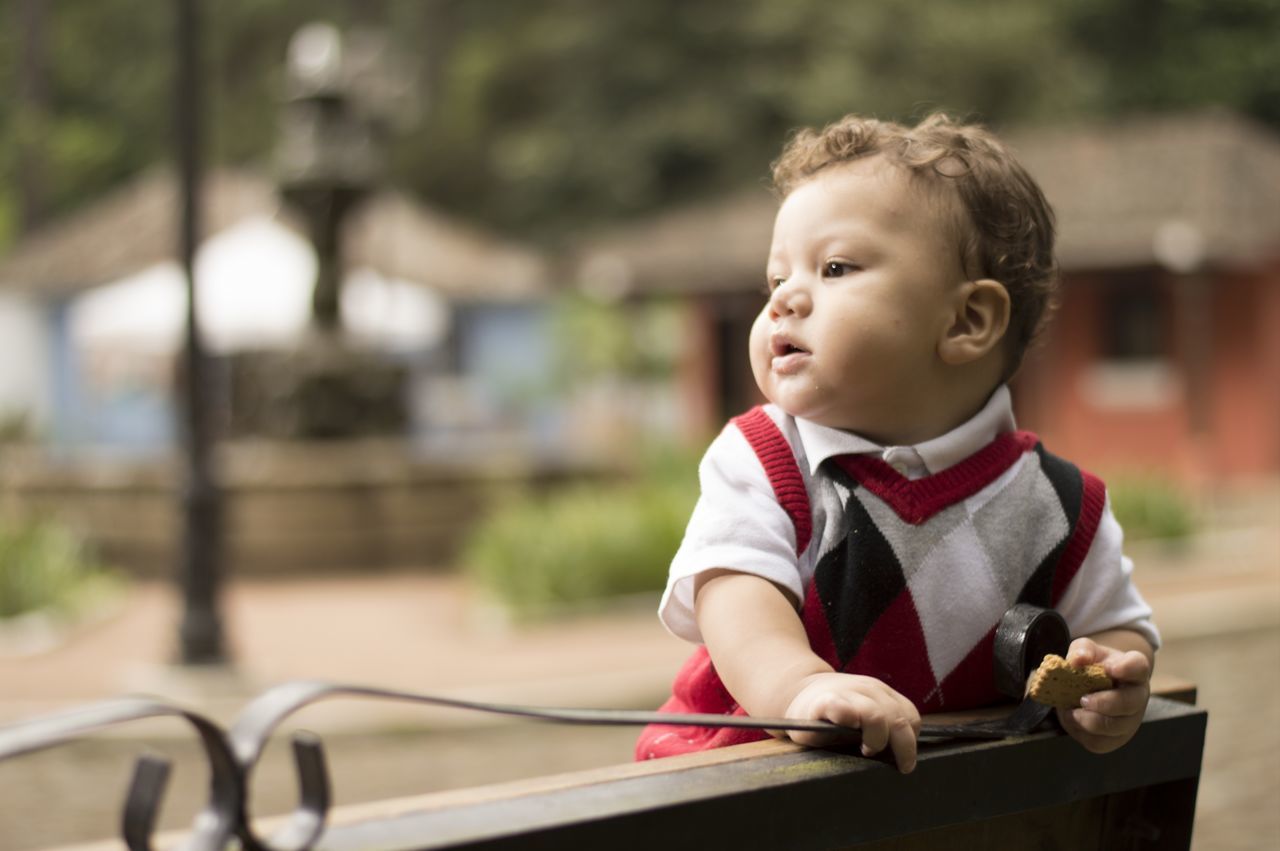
[(916, 501)]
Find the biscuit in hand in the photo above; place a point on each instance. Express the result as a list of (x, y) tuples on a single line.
[(1057, 683)]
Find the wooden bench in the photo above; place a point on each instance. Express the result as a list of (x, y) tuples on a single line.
[(1041, 791)]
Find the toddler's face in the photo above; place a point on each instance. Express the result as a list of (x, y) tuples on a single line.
[(860, 272)]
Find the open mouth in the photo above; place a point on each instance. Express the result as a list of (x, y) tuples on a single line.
[(781, 347)]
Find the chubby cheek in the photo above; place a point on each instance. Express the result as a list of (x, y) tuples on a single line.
[(758, 348)]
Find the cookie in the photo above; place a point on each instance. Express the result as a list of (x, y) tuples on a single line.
[(1056, 683)]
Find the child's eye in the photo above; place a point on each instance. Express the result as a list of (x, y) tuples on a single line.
[(772, 283), (837, 269)]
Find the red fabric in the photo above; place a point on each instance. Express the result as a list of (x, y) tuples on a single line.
[(971, 682), (1092, 501), (895, 652), (915, 501), (697, 689), (818, 628), (774, 452)]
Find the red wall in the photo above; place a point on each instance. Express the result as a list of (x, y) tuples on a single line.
[(1241, 433), (1241, 430), (1247, 377)]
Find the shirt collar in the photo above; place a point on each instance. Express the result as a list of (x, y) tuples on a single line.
[(938, 453)]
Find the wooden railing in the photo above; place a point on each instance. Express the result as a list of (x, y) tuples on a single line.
[(1041, 791)]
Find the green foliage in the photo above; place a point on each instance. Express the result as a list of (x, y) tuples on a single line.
[(1177, 54), (636, 340), (8, 216), (16, 426), (585, 543), (541, 117), (43, 566), (1149, 507)]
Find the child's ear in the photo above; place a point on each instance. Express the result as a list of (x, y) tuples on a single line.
[(978, 323)]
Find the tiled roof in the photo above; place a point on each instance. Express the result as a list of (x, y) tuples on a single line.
[(1211, 178), (712, 247), (125, 232), (401, 238), (1121, 188), (135, 227), (1118, 190)]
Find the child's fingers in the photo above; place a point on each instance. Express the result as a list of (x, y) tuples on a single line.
[(883, 717), (1084, 651), (828, 708), (903, 744), (892, 724), (884, 724), (1130, 667), (1117, 702), (1098, 733), (818, 740), (1106, 719), (850, 711), (1107, 726), (895, 734), (1094, 743)]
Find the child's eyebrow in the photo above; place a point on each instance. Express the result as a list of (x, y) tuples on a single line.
[(848, 232), (855, 242)]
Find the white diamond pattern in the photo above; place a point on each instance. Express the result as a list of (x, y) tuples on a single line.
[(964, 570), (957, 598)]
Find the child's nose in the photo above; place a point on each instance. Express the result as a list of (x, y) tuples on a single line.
[(789, 298)]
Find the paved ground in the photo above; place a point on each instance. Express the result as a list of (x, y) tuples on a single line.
[(1218, 604)]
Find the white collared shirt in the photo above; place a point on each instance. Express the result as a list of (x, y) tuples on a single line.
[(739, 525), (914, 462)]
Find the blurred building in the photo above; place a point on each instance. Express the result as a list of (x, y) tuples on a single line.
[(1163, 355), (92, 318), (94, 308)]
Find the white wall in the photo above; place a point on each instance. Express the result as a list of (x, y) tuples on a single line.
[(254, 285), (24, 360)]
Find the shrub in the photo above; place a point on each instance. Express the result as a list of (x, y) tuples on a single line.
[(16, 426), (43, 566), (586, 542), (1149, 507)]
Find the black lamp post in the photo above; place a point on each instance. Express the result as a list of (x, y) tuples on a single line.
[(201, 641)]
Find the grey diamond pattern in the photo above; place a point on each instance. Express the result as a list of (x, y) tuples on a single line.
[(911, 544), (969, 562), (1018, 530)]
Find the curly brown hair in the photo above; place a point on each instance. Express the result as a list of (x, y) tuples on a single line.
[(1005, 226)]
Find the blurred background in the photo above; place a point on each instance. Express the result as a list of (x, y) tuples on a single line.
[(472, 288)]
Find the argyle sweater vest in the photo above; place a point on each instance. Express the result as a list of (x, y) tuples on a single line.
[(920, 576)]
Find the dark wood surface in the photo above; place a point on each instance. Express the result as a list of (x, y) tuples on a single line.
[(1041, 791)]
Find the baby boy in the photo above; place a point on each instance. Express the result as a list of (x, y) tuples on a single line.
[(858, 538)]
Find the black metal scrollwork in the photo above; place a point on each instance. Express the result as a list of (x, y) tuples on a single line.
[(221, 815)]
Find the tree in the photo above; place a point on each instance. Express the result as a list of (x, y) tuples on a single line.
[(545, 117), (1178, 54)]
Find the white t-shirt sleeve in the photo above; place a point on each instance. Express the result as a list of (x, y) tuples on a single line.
[(1102, 595), (738, 525)]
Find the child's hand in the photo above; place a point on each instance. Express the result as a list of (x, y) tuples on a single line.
[(1105, 720), (885, 717)]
